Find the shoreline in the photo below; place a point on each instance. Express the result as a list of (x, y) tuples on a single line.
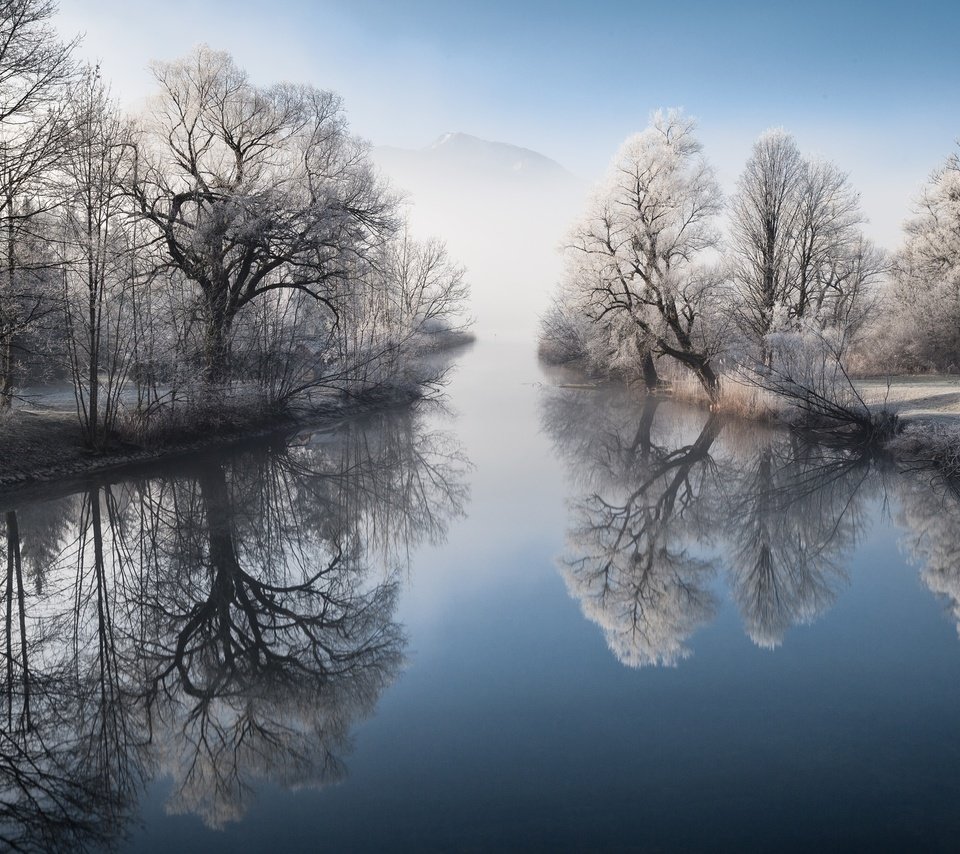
[(29, 438), (926, 409), (75, 463)]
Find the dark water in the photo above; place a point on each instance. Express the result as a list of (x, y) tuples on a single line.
[(544, 618)]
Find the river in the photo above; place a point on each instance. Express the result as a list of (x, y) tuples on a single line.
[(532, 616)]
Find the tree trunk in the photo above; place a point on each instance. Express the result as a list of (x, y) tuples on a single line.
[(709, 380), (6, 375), (650, 377), (6, 365), (93, 325), (93, 380), (217, 357)]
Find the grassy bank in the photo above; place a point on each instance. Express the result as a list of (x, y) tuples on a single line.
[(40, 447)]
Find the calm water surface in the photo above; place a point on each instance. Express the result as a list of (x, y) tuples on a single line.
[(541, 618)]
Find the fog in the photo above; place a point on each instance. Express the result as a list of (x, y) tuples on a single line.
[(503, 211)]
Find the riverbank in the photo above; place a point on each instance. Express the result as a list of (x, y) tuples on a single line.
[(41, 441), (913, 419), (40, 447), (917, 399), (931, 399)]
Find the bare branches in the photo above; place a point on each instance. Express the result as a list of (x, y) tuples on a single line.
[(920, 329), (35, 68), (255, 190), (798, 256)]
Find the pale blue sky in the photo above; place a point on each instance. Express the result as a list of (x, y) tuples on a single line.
[(873, 86)]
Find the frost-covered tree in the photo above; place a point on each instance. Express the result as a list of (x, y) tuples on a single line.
[(409, 299), (921, 329), (764, 217), (638, 265), (35, 68), (799, 258), (254, 190), (97, 253)]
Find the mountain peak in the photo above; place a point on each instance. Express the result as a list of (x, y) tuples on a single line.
[(461, 157), (456, 148), (446, 138)]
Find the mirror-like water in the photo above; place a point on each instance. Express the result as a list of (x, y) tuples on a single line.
[(544, 618)]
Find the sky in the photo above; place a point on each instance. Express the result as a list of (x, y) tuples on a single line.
[(871, 86)]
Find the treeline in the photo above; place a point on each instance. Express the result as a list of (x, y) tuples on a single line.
[(231, 249), (776, 287)]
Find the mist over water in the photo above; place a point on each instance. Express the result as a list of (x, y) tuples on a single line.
[(504, 213)]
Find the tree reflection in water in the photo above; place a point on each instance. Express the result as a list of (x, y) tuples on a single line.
[(630, 562), (669, 503), (225, 625), (930, 514)]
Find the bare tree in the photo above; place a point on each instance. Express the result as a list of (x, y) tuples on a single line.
[(254, 190), (799, 257), (35, 67), (921, 326), (764, 219), (408, 301), (96, 254)]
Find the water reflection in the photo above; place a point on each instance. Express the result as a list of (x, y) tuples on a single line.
[(668, 504), (930, 514), (224, 625), (630, 560)]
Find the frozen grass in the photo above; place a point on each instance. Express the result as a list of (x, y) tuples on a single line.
[(930, 444), (48, 445), (226, 413), (737, 399)]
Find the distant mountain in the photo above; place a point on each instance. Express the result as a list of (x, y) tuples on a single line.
[(502, 210), (475, 159)]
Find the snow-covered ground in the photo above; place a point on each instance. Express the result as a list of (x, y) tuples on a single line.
[(57, 396), (935, 397)]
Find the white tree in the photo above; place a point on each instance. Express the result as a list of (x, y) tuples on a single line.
[(97, 250), (254, 190), (639, 261), (404, 301), (922, 327), (800, 259), (35, 68)]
